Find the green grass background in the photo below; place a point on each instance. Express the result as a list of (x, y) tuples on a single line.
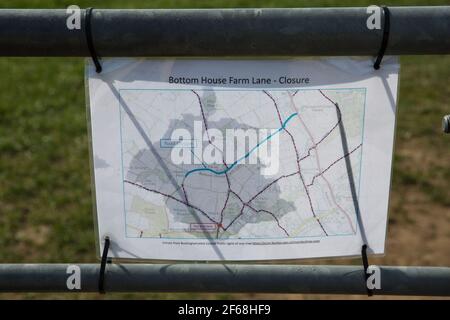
[(45, 195)]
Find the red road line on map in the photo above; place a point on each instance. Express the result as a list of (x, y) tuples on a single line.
[(184, 192), (276, 219), (328, 132), (323, 177), (270, 184), (219, 225), (298, 164), (332, 164), (247, 204), (317, 155), (323, 138)]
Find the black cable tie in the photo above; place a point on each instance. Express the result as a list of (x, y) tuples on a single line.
[(384, 42), (101, 276), (365, 261), (90, 42)]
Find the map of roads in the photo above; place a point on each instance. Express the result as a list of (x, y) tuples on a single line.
[(242, 164), (241, 160)]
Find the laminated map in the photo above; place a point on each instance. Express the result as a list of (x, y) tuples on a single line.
[(206, 159)]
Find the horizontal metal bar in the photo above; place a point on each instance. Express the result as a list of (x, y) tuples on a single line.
[(225, 32), (423, 281)]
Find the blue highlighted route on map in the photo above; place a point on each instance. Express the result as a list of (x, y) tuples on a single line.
[(283, 126)]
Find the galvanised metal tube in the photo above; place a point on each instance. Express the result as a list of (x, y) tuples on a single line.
[(225, 32), (423, 281)]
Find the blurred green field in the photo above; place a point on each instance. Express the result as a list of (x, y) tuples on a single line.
[(45, 196)]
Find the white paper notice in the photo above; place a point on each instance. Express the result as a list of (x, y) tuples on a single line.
[(242, 159)]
